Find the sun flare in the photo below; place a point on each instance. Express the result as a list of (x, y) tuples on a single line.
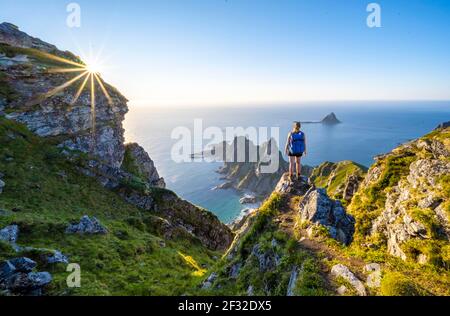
[(88, 74)]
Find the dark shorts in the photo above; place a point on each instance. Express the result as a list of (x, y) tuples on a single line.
[(295, 155)]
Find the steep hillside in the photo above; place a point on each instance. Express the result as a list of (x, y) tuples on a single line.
[(142, 253), (72, 191), (392, 239)]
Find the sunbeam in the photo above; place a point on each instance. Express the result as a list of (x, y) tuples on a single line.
[(89, 72), (80, 90), (105, 92)]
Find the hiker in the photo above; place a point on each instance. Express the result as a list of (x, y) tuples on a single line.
[(295, 149)]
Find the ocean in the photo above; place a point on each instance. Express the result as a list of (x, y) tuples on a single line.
[(368, 129)]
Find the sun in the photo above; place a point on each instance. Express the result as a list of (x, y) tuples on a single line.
[(88, 74), (94, 67)]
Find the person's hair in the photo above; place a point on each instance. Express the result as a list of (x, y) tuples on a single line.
[(296, 127)]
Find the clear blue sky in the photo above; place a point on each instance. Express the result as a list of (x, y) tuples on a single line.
[(217, 51)]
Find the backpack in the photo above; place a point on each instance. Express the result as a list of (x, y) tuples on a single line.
[(297, 145)]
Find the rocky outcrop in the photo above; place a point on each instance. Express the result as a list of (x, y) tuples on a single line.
[(52, 113), (411, 181), (247, 176), (17, 277), (317, 208), (11, 35), (9, 234), (331, 119), (138, 159), (341, 179), (198, 222), (248, 199), (341, 271), (88, 226)]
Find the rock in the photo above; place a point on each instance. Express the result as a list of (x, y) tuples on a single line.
[(374, 277), (351, 187), (422, 259), (268, 260), (331, 119), (294, 187), (292, 281), (317, 208), (2, 185), (145, 166), (87, 225), (11, 35), (209, 282), (374, 280), (57, 257), (250, 291), (7, 269), (224, 186), (341, 271), (234, 271), (23, 264), (342, 290), (28, 283), (10, 234), (372, 267), (248, 199), (16, 277)]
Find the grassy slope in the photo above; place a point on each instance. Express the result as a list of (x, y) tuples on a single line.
[(432, 278), (337, 173), (48, 193)]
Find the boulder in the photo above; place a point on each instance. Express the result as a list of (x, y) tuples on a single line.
[(374, 277), (248, 199), (87, 225), (23, 264), (57, 257), (10, 234), (235, 269), (209, 281), (317, 208), (341, 271), (16, 277)]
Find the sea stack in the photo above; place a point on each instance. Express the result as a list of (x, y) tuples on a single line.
[(331, 119)]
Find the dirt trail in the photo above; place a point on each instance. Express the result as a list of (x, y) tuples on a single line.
[(287, 220)]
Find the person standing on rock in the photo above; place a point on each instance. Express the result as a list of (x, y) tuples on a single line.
[(296, 149)]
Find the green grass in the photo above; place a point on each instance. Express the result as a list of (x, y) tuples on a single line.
[(47, 192), (333, 176)]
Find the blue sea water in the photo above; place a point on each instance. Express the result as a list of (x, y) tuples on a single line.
[(368, 129)]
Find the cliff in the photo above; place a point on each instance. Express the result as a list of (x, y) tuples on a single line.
[(61, 161), (246, 176)]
